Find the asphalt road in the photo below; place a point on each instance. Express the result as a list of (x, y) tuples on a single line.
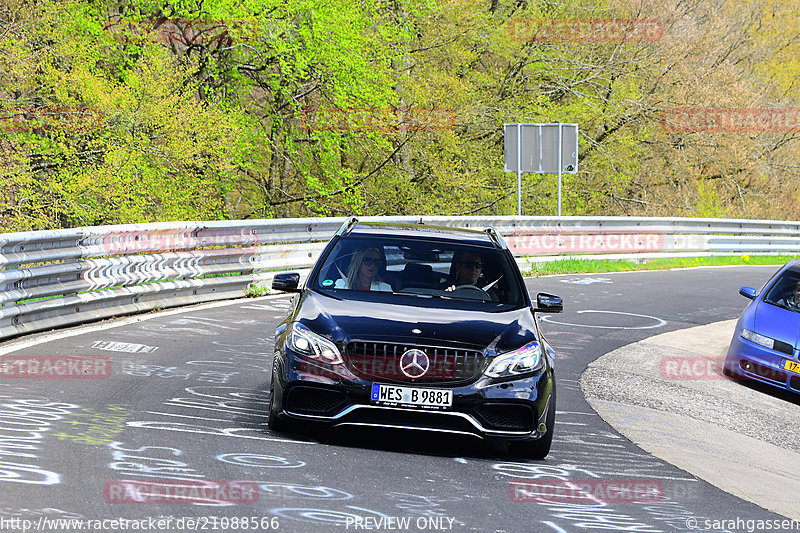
[(185, 402)]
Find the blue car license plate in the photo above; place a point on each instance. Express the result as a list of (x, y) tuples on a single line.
[(791, 366), (412, 396)]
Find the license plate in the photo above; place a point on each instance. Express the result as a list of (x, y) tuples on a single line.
[(412, 396), (791, 366)]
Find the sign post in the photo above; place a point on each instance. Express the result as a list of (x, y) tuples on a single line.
[(541, 149)]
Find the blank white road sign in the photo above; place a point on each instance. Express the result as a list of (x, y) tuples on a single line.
[(539, 147)]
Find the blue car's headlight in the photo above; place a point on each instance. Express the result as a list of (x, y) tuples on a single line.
[(308, 344), (761, 340), (521, 361)]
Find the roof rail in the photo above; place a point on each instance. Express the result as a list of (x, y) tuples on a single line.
[(347, 226), (496, 238)]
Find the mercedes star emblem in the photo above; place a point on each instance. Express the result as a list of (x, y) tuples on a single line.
[(414, 363)]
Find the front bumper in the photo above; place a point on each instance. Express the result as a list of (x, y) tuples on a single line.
[(486, 408), (748, 360)]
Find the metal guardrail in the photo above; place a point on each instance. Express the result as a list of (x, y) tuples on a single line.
[(56, 278)]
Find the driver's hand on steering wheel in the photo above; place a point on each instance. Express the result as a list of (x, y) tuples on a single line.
[(451, 288)]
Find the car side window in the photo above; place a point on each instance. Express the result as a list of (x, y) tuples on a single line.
[(782, 292)]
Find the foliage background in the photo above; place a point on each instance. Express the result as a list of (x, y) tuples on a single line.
[(116, 111)]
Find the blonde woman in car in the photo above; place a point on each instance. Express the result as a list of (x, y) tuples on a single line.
[(364, 272)]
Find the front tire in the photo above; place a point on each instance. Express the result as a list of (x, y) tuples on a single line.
[(274, 422), (539, 448)]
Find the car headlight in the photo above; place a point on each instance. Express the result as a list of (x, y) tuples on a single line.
[(308, 344), (761, 340), (521, 361)]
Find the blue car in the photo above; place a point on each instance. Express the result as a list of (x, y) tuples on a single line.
[(765, 344)]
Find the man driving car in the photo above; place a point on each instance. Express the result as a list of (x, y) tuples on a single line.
[(468, 268)]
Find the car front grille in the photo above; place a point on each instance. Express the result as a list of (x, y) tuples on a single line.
[(315, 401), (385, 361), (784, 347), (505, 416)]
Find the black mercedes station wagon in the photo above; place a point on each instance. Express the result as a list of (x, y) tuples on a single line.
[(416, 327)]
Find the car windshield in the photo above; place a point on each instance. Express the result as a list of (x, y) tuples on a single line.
[(422, 268), (785, 291)]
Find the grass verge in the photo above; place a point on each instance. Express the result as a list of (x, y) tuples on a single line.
[(581, 266)]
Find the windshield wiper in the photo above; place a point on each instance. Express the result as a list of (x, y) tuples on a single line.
[(427, 294)]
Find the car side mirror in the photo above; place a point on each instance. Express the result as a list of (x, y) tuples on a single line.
[(286, 282), (748, 292), (548, 303)]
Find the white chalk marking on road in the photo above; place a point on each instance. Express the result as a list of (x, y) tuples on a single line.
[(14, 346), (125, 347), (586, 281), (658, 321)]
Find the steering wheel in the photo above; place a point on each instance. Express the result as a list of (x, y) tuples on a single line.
[(472, 291), (469, 287)]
